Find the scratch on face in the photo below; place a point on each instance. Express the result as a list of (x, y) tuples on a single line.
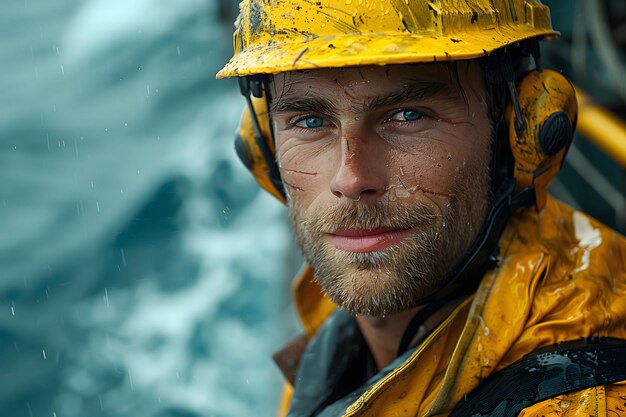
[(424, 190), (416, 188), (295, 187), (403, 185), (295, 171)]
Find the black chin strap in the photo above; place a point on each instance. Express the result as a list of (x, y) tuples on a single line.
[(484, 252), (481, 257)]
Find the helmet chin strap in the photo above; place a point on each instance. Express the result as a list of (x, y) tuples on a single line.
[(482, 256), (484, 252)]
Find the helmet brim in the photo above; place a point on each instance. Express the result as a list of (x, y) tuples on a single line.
[(374, 49)]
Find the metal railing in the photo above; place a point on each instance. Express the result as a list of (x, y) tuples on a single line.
[(606, 132)]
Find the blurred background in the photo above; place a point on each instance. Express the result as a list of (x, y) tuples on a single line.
[(142, 272)]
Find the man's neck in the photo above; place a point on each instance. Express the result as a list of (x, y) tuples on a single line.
[(383, 334)]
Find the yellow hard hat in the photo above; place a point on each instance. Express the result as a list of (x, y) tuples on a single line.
[(275, 36)]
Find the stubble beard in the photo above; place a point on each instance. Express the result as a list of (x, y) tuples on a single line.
[(395, 278)]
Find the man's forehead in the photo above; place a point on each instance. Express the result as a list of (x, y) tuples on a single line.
[(401, 81), (430, 72)]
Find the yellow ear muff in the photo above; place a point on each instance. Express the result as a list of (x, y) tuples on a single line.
[(255, 147), (548, 107)]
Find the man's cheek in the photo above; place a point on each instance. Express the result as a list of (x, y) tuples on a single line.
[(298, 172), (434, 174)]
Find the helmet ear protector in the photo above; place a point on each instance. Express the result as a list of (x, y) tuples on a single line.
[(254, 140), (540, 120), (541, 130)]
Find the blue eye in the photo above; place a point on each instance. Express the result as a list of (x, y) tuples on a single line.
[(407, 116), (311, 122), (411, 115)]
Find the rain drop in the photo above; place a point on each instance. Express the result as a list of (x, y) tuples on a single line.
[(402, 193)]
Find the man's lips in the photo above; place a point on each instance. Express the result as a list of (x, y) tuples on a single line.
[(363, 240)]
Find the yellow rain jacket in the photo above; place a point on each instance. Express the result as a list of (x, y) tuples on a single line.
[(561, 276)]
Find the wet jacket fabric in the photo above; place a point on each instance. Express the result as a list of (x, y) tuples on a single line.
[(561, 276)]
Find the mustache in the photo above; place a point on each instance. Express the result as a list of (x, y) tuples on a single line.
[(355, 215)]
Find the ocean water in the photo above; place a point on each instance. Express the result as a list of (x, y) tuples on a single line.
[(142, 272)]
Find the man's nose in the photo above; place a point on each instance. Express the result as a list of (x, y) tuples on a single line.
[(361, 170)]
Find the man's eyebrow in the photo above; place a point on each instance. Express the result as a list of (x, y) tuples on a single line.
[(302, 105), (412, 91)]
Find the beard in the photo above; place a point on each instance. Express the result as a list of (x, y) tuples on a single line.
[(393, 279)]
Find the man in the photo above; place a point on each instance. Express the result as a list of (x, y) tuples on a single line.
[(413, 142)]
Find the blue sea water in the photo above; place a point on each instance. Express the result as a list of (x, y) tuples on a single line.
[(142, 272)]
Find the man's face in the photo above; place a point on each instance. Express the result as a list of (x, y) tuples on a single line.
[(386, 171)]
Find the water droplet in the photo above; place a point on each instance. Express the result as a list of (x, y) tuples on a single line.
[(402, 193)]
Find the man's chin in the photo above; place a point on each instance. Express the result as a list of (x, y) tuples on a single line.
[(368, 291)]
